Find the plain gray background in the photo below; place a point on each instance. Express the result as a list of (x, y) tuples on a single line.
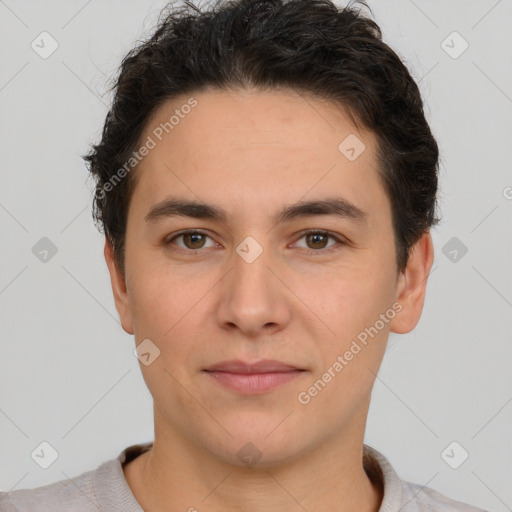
[(67, 372)]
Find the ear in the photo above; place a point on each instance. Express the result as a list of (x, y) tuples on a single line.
[(412, 285), (119, 289)]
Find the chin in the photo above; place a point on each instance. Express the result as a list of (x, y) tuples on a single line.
[(258, 446)]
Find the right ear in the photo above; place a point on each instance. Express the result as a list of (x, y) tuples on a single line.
[(118, 282)]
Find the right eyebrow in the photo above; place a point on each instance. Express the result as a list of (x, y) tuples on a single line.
[(174, 207)]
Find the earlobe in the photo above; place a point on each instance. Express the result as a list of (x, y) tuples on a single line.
[(412, 285), (119, 289)]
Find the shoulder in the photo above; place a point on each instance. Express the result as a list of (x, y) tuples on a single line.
[(104, 488), (422, 498), (400, 495), (77, 493)]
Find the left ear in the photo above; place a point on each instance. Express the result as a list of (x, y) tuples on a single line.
[(412, 285)]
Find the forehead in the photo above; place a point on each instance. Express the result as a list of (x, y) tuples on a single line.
[(245, 116), (250, 145)]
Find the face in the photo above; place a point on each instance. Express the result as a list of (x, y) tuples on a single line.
[(241, 277)]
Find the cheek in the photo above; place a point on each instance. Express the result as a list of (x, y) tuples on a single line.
[(353, 310), (168, 319), (172, 310), (160, 303), (344, 301), (351, 357)]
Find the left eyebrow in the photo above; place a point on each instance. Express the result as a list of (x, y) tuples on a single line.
[(337, 206)]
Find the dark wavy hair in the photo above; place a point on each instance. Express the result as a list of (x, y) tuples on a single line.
[(312, 46)]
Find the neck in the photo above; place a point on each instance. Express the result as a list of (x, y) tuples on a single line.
[(176, 475)]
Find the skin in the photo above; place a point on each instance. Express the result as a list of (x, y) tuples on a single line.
[(251, 153)]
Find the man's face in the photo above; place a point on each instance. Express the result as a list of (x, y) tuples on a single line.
[(252, 286)]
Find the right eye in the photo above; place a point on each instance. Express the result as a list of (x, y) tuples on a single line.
[(193, 240)]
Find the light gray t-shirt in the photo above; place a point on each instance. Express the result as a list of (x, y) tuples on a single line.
[(105, 489)]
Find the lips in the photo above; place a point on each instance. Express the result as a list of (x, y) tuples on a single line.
[(253, 378), (241, 367)]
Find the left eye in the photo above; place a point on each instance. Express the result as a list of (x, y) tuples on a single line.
[(319, 239)]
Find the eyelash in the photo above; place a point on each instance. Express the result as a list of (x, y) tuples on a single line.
[(340, 241)]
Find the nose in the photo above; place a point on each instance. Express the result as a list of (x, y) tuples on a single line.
[(254, 298)]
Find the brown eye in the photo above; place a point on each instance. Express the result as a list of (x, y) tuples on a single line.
[(191, 241), (317, 240)]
